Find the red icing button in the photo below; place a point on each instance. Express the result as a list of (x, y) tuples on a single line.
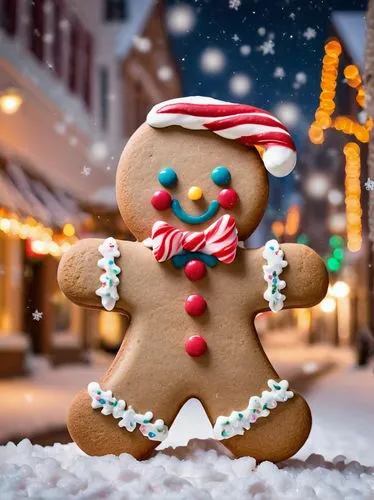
[(195, 305), (161, 200), (195, 346), (228, 198), (195, 270)]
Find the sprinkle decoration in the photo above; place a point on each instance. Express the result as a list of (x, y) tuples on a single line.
[(275, 265), (240, 421), (109, 278), (156, 431)]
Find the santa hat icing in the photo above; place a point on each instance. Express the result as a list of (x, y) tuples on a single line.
[(246, 124)]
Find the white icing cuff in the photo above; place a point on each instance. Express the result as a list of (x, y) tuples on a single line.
[(240, 421), (109, 278), (275, 265), (156, 431)]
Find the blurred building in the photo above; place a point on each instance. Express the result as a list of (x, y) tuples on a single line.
[(369, 84), (324, 188), (76, 79)]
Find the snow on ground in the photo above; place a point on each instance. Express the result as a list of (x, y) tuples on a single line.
[(201, 471), (342, 405), (343, 409)]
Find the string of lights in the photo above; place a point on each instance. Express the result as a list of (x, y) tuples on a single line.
[(361, 131)]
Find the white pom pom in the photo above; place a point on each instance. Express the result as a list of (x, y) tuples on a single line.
[(279, 160)]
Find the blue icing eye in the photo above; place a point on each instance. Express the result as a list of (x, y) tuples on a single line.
[(221, 176), (167, 177)]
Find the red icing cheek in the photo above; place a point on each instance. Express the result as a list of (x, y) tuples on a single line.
[(228, 198), (161, 200)]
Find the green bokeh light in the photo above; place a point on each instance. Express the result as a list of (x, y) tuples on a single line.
[(336, 241), (338, 254), (302, 239), (333, 265)]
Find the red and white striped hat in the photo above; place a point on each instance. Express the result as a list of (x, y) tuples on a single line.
[(246, 124)]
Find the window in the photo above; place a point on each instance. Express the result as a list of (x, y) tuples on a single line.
[(74, 52), (104, 89), (87, 68), (115, 10), (8, 16), (37, 28), (57, 39)]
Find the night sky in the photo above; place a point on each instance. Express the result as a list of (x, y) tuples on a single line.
[(287, 23), (286, 20)]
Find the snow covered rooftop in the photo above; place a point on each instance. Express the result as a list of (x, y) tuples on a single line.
[(351, 28)]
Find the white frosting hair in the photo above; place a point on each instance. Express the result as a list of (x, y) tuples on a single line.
[(246, 124)]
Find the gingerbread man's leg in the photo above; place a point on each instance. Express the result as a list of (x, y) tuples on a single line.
[(277, 434), (276, 437), (114, 417)]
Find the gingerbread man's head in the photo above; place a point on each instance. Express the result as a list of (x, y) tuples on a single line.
[(191, 178)]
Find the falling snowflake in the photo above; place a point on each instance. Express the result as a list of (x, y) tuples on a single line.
[(369, 184), (60, 128), (235, 37), (288, 113), (301, 77), (165, 73), (292, 16), (98, 152), (181, 19), (142, 44), (73, 141), (261, 31), (240, 85), (37, 315), (48, 38), (64, 24), (212, 60), (235, 4), (267, 47), (86, 171), (245, 50), (279, 72), (310, 33)]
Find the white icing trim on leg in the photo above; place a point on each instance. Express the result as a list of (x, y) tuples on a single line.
[(275, 264), (156, 431), (240, 421), (109, 278)]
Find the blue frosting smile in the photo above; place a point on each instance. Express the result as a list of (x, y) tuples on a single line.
[(181, 259), (194, 219)]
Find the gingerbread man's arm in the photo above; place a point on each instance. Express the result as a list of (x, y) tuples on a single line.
[(305, 275), (79, 274)]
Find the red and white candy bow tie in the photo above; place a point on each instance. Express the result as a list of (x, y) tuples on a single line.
[(220, 240)]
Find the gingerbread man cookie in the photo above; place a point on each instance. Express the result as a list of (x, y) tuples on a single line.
[(190, 186)]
